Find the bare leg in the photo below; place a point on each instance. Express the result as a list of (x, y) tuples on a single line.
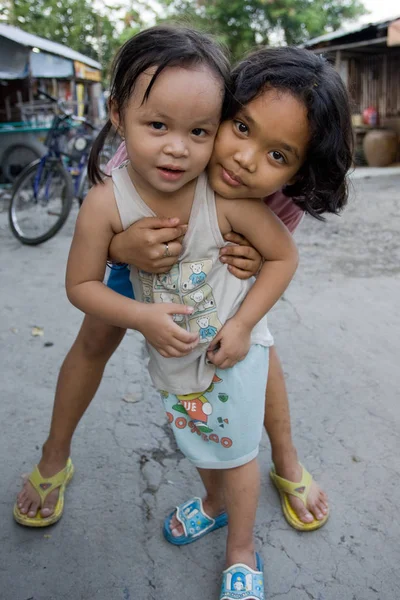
[(284, 454), (78, 381), (241, 488)]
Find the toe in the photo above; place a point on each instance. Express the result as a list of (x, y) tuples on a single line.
[(324, 499), (33, 508), (317, 503), (301, 511), (23, 507), (22, 498), (321, 508), (26, 505), (175, 526), (49, 504), (304, 515)]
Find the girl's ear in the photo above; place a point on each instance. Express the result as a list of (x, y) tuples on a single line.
[(115, 117)]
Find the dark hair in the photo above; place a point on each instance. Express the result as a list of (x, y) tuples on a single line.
[(160, 46), (321, 184)]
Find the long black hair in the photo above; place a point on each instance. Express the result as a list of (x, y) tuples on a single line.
[(161, 47), (321, 184)]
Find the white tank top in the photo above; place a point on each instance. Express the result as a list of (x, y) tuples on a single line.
[(199, 280)]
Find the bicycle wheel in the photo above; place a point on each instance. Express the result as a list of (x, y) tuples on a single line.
[(41, 201), (16, 158)]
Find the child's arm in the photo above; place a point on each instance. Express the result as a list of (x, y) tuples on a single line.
[(275, 244), (97, 222)]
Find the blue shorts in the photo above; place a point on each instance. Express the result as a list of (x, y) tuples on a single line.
[(118, 281), (221, 427)]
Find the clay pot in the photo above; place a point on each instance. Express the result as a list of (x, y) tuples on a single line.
[(380, 147)]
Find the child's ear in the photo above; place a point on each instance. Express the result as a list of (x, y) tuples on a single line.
[(115, 117)]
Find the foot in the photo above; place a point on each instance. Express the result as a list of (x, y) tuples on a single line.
[(235, 582), (28, 500), (244, 557), (317, 501), (210, 508)]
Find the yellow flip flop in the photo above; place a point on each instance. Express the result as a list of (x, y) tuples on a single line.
[(44, 486), (301, 490)]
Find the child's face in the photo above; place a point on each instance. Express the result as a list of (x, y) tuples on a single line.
[(262, 148), (169, 137)]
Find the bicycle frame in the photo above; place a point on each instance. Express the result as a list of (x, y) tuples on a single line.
[(55, 154)]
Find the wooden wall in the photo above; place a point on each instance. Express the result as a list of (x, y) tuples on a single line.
[(374, 80)]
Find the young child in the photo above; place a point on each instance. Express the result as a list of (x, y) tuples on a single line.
[(167, 142), (166, 101)]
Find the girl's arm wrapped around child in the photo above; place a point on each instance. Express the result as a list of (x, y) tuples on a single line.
[(273, 241)]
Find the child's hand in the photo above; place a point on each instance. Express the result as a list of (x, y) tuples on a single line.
[(230, 345), (242, 259), (158, 327)]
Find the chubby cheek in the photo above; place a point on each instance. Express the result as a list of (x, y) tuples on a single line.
[(224, 147), (202, 157), (140, 151)]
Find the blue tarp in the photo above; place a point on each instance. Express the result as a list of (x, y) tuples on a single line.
[(14, 60), (49, 65)]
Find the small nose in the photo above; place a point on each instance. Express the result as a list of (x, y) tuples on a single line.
[(176, 147), (246, 159)]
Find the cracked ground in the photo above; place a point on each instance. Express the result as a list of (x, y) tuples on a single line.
[(337, 331)]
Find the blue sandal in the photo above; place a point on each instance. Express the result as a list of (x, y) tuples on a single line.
[(195, 522), (239, 582)]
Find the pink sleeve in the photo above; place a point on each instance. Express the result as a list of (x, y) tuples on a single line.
[(285, 209), (117, 159)]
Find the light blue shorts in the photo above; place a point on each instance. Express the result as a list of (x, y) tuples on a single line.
[(221, 427)]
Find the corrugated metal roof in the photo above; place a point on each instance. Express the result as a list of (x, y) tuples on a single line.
[(344, 32), (34, 41)]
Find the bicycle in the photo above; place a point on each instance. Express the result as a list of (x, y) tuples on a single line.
[(43, 193)]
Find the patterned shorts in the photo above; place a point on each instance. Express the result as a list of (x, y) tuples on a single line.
[(221, 427)]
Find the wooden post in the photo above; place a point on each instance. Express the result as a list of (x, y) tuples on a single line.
[(8, 108), (338, 60)]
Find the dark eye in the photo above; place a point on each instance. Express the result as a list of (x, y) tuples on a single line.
[(158, 125), (241, 127), (277, 156), (198, 132)]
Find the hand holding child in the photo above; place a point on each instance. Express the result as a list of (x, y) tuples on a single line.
[(152, 244), (230, 345), (242, 259), (143, 244)]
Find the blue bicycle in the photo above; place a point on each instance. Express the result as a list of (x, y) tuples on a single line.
[(43, 193)]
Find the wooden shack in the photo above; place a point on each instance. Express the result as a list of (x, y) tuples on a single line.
[(368, 59), (29, 62)]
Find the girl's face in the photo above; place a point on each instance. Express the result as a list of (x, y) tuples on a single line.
[(262, 148), (170, 136)]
